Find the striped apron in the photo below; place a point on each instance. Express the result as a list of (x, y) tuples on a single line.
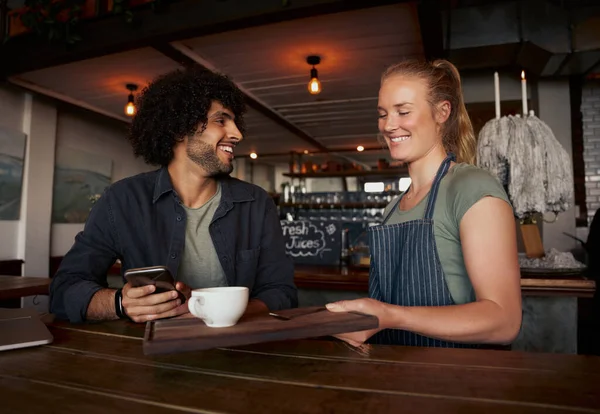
[(405, 268)]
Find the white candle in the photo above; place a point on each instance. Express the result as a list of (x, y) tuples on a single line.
[(497, 94), (524, 92)]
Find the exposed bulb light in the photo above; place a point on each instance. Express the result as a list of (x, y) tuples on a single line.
[(360, 148), (253, 155), (314, 85), (130, 108), (306, 151)]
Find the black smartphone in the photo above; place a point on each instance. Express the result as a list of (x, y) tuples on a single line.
[(159, 276)]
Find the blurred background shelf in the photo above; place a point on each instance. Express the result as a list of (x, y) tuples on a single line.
[(392, 172), (334, 205)]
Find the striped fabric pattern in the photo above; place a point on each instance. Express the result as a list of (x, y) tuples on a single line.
[(406, 270)]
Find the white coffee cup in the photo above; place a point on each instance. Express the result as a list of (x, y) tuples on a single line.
[(219, 307)]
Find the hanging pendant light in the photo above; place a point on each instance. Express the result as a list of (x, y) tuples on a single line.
[(314, 85), (130, 107)]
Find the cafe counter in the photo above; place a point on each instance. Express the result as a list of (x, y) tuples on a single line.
[(550, 301), (100, 368)]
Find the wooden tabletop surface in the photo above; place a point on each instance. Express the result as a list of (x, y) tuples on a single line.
[(12, 287), (100, 368), (357, 279)]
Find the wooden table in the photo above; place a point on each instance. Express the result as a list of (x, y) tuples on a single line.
[(100, 368), (13, 287)]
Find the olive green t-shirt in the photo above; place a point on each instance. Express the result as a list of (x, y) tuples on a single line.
[(459, 190), (200, 266)]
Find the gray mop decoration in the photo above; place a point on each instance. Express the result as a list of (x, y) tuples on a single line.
[(528, 160), (536, 171)]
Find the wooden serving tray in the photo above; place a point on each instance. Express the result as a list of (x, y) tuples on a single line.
[(191, 334)]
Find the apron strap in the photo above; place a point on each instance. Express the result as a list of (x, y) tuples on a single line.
[(433, 192), (389, 214), (436, 185)]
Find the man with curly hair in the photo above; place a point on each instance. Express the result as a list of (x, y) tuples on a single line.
[(208, 228)]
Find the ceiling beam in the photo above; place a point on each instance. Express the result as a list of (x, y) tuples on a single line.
[(564, 63), (188, 58), (3, 17), (184, 19), (169, 51), (519, 56), (590, 70), (571, 54), (67, 99), (432, 32)]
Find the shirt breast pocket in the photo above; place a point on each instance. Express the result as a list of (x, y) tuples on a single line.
[(246, 266)]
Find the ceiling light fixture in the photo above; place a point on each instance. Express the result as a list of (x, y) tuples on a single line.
[(360, 148), (130, 107), (253, 155), (314, 86)]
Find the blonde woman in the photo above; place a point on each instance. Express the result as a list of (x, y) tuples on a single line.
[(444, 267)]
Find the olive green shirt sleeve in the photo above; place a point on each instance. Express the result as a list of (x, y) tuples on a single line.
[(468, 186)]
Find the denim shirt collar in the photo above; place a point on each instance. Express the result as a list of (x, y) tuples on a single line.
[(230, 191)]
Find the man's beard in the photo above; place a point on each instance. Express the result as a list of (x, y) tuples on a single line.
[(206, 157)]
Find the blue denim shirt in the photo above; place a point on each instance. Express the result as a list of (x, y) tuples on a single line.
[(140, 220)]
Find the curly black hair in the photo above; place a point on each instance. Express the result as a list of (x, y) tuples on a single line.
[(174, 105)]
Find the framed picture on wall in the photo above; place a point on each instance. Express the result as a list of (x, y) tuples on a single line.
[(80, 178), (12, 154)]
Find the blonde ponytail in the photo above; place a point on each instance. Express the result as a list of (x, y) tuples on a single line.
[(458, 130), (444, 85)]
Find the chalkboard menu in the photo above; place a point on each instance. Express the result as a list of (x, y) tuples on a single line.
[(313, 242)]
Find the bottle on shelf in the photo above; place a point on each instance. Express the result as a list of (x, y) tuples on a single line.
[(345, 250)]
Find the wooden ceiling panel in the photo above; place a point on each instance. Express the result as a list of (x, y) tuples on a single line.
[(269, 62), (368, 141), (359, 104), (264, 136), (368, 158), (345, 128), (341, 39), (100, 82)]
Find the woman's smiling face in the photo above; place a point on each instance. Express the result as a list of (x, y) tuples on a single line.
[(406, 118)]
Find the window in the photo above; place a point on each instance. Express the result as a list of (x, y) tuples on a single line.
[(374, 187), (404, 183)]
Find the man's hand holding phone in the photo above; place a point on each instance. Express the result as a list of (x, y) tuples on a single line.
[(142, 304), (152, 293)]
